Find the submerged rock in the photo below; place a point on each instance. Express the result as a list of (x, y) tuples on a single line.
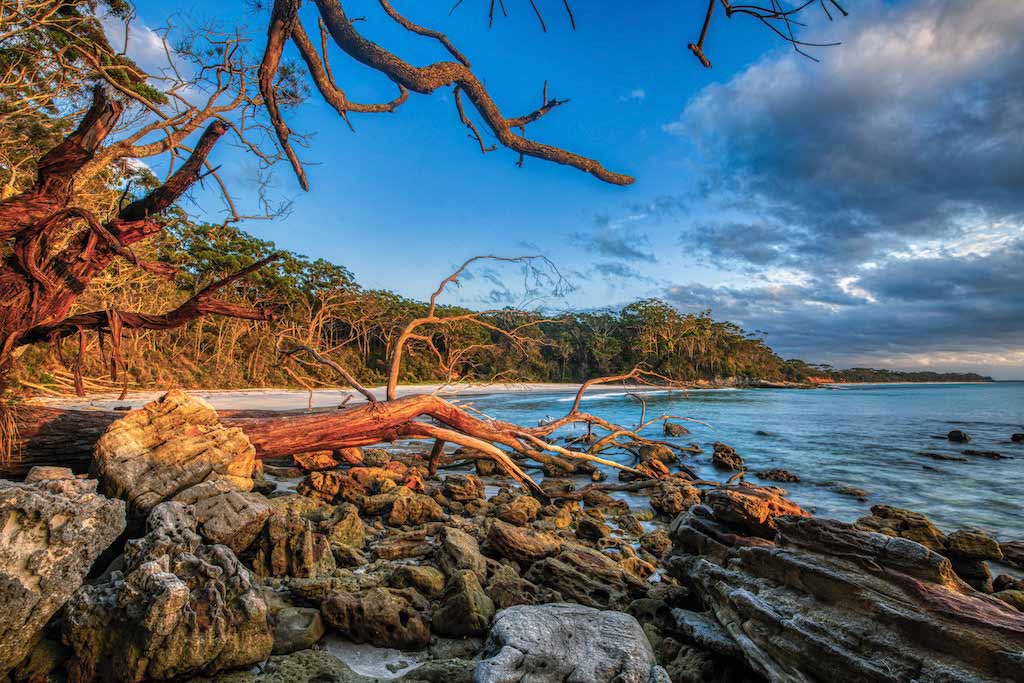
[(779, 475), (674, 429), (177, 608), (563, 642), (958, 436), (51, 532)]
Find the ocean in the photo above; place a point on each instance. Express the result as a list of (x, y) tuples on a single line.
[(869, 437)]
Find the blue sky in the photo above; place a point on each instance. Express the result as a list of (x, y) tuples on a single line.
[(862, 210)]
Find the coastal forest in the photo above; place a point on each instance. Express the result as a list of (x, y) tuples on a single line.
[(320, 304)]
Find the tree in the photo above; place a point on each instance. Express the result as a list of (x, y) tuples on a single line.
[(58, 246)]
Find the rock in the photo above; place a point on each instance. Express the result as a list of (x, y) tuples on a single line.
[(590, 529), (415, 510), (463, 488), (178, 608), (958, 436), (560, 642), (726, 458), (674, 429), (288, 546), (658, 543), (1017, 438), (1013, 553), (1005, 582), (43, 664), (631, 525), (751, 509), (975, 572), (829, 599), (973, 545), (521, 543), (673, 496), (226, 515), (464, 610), (656, 451), (846, 490), (507, 588), (425, 579), (602, 502), (402, 545), (907, 524), (296, 628), (51, 532), (304, 666), (991, 455), (44, 473), (345, 527), (154, 453), (457, 550), (316, 461), (1014, 598), (521, 510), (779, 475), (586, 576), (334, 486), (385, 617)]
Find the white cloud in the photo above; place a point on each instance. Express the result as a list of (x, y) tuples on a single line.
[(634, 95)]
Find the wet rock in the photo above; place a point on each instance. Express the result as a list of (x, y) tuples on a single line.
[(457, 551), (1005, 582), (674, 429), (991, 455), (1013, 553), (464, 609), (975, 572), (226, 515), (152, 454), (51, 532), (564, 642), (1017, 437), (751, 509), (520, 510), (974, 545), (463, 488), (586, 576), (425, 579), (831, 599), (846, 490), (521, 543), (177, 608), (631, 525), (673, 496), (958, 436), (913, 526), (602, 502), (656, 451), (296, 628), (779, 475), (1014, 598), (726, 458), (658, 543), (590, 529), (289, 546), (304, 666), (385, 617), (414, 510)]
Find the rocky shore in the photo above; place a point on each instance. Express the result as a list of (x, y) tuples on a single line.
[(182, 557)]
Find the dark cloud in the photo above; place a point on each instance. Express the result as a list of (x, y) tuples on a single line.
[(909, 131), (940, 305)]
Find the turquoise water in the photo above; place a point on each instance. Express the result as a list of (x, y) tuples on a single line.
[(865, 436)]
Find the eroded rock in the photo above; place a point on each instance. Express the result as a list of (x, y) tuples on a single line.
[(51, 532)]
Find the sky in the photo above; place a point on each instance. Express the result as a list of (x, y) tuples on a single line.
[(864, 209)]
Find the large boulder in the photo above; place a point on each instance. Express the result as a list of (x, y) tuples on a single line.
[(154, 453), (51, 532), (465, 610), (830, 601), (289, 546), (751, 509), (562, 643), (176, 608), (385, 617), (587, 576)]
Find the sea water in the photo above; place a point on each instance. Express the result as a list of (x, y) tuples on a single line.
[(870, 437)]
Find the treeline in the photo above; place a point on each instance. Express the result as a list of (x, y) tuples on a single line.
[(320, 305), (873, 375)]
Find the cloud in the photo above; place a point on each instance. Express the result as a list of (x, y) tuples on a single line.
[(634, 95), (889, 178), (909, 131), (616, 239)]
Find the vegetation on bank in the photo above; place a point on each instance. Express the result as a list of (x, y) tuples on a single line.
[(320, 304)]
